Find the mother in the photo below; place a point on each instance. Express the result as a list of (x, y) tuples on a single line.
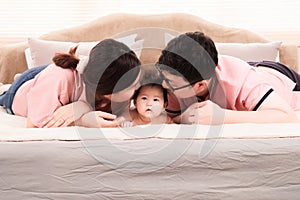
[(109, 74)]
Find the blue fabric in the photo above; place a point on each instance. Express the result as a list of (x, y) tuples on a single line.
[(289, 72), (6, 99)]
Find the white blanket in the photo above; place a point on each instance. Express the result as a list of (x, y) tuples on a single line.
[(13, 128), (238, 161)]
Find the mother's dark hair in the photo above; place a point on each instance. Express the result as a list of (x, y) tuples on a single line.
[(112, 67)]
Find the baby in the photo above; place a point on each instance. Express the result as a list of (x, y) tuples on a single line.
[(150, 101)]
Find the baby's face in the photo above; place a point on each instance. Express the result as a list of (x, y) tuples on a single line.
[(150, 102)]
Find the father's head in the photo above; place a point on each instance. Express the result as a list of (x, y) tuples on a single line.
[(188, 59)]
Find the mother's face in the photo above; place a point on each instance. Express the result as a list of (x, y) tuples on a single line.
[(125, 94)]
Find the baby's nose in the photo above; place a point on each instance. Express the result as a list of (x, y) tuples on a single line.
[(149, 103)]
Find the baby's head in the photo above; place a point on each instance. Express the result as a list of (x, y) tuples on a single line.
[(150, 100)]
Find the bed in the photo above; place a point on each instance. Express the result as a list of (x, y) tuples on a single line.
[(237, 161)]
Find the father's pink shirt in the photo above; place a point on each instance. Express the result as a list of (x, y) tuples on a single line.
[(244, 86)]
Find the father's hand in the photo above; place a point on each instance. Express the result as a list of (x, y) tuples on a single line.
[(205, 112)]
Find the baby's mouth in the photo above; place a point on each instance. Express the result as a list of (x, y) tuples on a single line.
[(148, 110)]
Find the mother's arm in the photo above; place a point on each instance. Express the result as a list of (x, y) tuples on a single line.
[(98, 119), (79, 113), (67, 115), (29, 124)]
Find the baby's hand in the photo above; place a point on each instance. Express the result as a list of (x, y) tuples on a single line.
[(127, 124), (124, 123)]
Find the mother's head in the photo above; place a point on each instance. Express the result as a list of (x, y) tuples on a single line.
[(113, 69)]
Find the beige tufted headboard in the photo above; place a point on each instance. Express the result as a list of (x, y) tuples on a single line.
[(12, 58)]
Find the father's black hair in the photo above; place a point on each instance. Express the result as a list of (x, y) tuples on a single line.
[(192, 55)]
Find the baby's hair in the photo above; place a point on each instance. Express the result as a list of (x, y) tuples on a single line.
[(155, 85), (66, 60)]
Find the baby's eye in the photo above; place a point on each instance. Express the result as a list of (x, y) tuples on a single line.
[(155, 99), (144, 98)]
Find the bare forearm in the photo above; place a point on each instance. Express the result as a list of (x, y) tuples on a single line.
[(273, 110), (264, 116), (98, 119), (29, 124), (210, 114)]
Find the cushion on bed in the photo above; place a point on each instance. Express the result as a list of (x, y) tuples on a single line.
[(41, 51), (254, 52)]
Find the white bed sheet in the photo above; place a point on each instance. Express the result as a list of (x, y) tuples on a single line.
[(241, 161)]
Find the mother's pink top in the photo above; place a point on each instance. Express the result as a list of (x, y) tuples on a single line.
[(50, 89)]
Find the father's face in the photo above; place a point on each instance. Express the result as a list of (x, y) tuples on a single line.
[(178, 85)]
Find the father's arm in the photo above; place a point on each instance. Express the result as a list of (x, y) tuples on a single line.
[(272, 110)]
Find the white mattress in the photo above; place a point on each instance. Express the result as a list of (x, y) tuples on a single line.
[(241, 161)]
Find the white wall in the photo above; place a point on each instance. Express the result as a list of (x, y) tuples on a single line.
[(32, 18)]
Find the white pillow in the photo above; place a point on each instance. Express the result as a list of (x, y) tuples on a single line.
[(169, 37), (28, 58), (249, 52), (128, 40), (40, 52)]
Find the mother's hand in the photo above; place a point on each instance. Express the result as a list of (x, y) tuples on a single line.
[(98, 119), (66, 115)]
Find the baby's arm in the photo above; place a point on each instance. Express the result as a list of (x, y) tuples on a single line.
[(127, 119)]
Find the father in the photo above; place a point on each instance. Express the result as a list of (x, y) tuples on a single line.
[(208, 88)]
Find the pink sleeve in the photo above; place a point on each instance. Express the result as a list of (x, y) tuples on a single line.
[(253, 91), (49, 91), (243, 86)]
